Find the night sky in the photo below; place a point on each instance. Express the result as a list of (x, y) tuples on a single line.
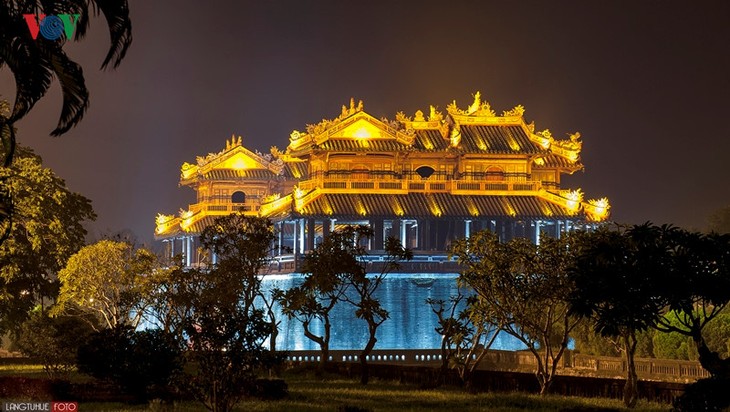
[(646, 83)]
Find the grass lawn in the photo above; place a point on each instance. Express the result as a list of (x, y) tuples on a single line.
[(309, 393)]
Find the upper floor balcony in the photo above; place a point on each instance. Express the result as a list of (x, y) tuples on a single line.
[(225, 208), (351, 184)]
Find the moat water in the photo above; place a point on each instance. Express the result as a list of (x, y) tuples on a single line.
[(411, 324)]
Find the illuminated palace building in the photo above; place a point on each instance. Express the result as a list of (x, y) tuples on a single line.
[(426, 179)]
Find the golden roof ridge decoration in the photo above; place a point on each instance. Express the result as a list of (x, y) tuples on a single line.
[(480, 111), (327, 128), (478, 108), (569, 148), (325, 124), (597, 210), (517, 111), (204, 164), (420, 122)]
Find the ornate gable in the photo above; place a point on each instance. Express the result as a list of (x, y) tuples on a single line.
[(353, 124), (233, 157)]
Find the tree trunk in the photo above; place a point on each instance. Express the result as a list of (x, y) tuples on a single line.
[(364, 370), (445, 355), (710, 360), (274, 335), (631, 388), (322, 341)]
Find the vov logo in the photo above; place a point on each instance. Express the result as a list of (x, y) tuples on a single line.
[(51, 27)]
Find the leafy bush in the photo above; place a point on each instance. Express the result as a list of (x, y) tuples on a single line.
[(140, 363), (53, 341)]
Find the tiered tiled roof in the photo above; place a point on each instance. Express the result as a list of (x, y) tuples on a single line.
[(463, 145)]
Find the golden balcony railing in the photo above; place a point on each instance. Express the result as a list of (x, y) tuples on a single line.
[(403, 186), (223, 208)]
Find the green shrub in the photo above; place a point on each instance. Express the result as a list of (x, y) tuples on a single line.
[(54, 342)]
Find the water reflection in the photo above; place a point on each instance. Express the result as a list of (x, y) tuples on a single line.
[(411, 325)]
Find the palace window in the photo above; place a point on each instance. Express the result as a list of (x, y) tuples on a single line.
[(220, 196), (238, 197), (494, 173), (425, 171)]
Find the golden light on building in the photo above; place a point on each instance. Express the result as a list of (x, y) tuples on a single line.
[(597, 209), (544, 138), (574, 198), (455, 136), (546, 210), (491, 168), (362, 133), (433, 206), (187, 170), (187, 219), (361, 129), (162, 222), (238, 162), (473, 210), (397, 208), (360, 207), (298, 198), (509, 209)]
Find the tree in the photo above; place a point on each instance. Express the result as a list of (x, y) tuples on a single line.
[(111, 281), (587, 341), (34, 63), (48, 229), (244, 246), (53, 341), (673, 345), (364, 286), (322, 289), (466, 335), (615, 285), (696, 290), (720, 220), (523, 286), (336, 271), (226, 331)]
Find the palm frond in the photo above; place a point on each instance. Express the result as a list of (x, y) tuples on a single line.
[(73, 86), (32, 73), (116, 13)]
